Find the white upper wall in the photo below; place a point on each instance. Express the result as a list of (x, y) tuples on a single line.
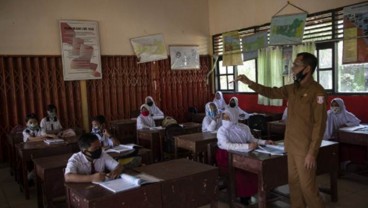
[(31, 26), (228, 15)]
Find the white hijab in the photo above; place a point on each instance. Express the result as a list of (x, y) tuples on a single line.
[(338, 120), (220, 103), (236, 110), (235, 132), (153, 109), (145, 121)]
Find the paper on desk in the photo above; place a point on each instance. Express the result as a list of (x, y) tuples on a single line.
[(355, 128), (271, 149), (156, 128)]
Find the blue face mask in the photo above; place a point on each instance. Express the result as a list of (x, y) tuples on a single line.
[(212, 114)]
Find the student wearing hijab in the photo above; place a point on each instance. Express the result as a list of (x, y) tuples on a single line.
[(219, 101), (145, 120), (212, 121), (155, 111), (238, 112), (237, 136), (338, 117)]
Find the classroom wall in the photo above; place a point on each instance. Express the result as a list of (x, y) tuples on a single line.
[(231, 15), (31, 27)]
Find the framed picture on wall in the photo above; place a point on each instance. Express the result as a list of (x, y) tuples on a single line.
[(149, 48), (184, 57), (80, 50)]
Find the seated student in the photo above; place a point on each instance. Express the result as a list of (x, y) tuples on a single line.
[(51, 123), (145, 120), (212, 120), (237, 136), (98, 128), (219, 101), (238, 112), (155, 111), (338, 117), (284, 115), (90, 163), (33, 132)]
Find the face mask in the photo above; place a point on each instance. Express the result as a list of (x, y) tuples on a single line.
[(51, 114), (226, 123), (336, 110), (145, 113), (212, 114), (232, 105), (298, 77), (96, 154), (150, 104), (33, 126)]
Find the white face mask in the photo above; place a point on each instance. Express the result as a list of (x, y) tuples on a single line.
[(226, 123), (335, 110)]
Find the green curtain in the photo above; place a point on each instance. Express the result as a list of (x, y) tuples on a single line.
[(270, 66)]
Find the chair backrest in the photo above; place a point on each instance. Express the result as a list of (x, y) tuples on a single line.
[(171, 131), (258, 122), (134, 113), (193, 110)]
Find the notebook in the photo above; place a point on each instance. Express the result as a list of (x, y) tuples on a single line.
[(54, 141), (121, 148), (271, 149), (126, 182)]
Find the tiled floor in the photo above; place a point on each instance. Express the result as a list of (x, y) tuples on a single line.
[(352, 192)]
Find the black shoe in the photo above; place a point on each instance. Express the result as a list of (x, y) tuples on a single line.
[(244, 200)]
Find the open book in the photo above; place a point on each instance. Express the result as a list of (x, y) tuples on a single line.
[(271, 149), (121, 148), (54, 141), (126, 182)]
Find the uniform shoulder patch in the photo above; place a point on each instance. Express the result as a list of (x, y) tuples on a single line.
[(320, 99)]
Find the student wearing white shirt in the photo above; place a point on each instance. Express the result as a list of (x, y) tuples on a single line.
[(90, 163), (237, 136), (236, 110), (338, 117), (33, 132), (219, 101), (104, 135), (154, 110), (212, 120), (145, 120), (51, 123)]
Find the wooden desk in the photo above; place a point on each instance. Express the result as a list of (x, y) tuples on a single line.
[(25, 151), (84, 195), (197, 143), (125, 130), (185, 183), (50, 178), (276, 130), (265, 165), (154, 139), (357, 135)]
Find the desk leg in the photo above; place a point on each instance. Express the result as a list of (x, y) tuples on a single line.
[(25, 179), (333, 185), (39, 192), (231, 181), (262, 200)]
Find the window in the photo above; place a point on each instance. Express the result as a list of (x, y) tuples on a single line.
[(351, 77), (326, 57), (326, 30), (227, 74)]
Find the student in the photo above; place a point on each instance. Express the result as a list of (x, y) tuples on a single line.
[(155, 111), (98, 128), (338, 117), (145, 120), (212, 121), (237, 136), (90, 163), (33, 132), (238, 112), (219, 101), (51, 123)]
